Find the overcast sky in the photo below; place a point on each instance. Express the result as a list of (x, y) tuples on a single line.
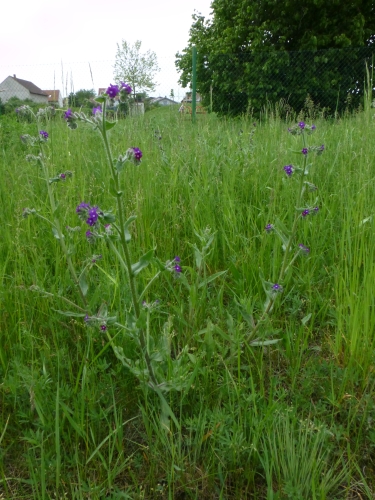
[(52, 43)]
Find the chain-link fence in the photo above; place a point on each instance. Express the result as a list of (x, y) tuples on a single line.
[(333, 80), (330, 81)]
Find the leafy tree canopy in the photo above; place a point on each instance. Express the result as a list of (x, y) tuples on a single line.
[(253, 51), (82, 98), (134, 67)]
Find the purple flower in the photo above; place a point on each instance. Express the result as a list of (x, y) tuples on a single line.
[(288, 170), (44, 134), (277, 288), (82, 208), (305, 213), (313, 127), (269, 228), (301, 125), (92, 216), (177, 259), (315, 210), (304, 151), (126, 87), (112, 91), (98, 109), (134, 154), (177, 268), (137, 154), (304, 248), (103, 328), (321, 147), (90, 235), (87, 318), (68, 115), (62, 177)]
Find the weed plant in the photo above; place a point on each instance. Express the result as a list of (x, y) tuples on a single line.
[(291, 419)]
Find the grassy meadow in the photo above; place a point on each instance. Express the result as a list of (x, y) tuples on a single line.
[(294, 419)]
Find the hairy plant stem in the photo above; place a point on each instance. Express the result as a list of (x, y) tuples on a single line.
[(124, 245)]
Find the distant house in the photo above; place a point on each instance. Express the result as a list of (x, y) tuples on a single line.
[(54, 98), (23, 89), (188, 97), (162, 101)]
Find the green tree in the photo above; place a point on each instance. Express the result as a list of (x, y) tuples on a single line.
[(82, 98), (136, 68), (254, 51)]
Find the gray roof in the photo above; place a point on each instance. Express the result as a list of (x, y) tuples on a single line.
[(33, 89)]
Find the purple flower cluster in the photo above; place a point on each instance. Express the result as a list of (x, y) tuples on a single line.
[(97, 109), (126, 87), (301, 125), (89, 214), (44, 134), (112, 91), (288, 170), (68, 115), (269, 228), (177, 266), (277, 288), (304, 248), (304, 151), (134, 154), (308, 211)]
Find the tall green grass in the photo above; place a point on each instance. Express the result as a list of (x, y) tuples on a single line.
[(291, 420)]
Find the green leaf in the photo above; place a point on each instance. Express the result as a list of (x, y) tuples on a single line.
[(143, 262), (128, 236), (83, 284), (109, 125), (70, 314), (120, 163), (56, 233), (112, 189), (306, 319), (262, 343), (100, 99), (210, 279)]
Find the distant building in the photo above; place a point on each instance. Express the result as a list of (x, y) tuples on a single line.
[(23, 89), (189, 97), (162, 101), (54, 98)]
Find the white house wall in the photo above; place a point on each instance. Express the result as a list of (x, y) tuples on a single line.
[(11, 88)]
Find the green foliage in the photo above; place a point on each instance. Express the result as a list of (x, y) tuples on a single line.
[(253, 52), (291, 420), (14, 102), (82, 98)]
